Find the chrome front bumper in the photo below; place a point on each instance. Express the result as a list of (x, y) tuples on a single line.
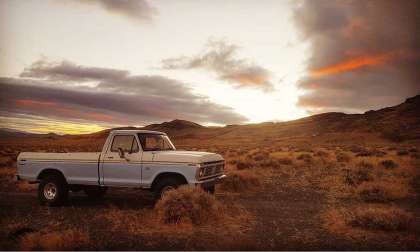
[(210, 182)]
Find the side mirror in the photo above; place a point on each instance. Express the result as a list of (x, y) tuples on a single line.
[(121, 153)]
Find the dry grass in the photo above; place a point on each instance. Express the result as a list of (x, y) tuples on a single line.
[(381, 218), (360, 173), (402, 153), (243, 164), (187, 216), (240, 181), (342, 157), (305, 157), (362, 188), (8, 182), (389, 164), (381, 191), (187, 204), (69, 239)]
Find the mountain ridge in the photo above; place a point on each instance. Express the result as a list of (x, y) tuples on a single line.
[(396, 123)]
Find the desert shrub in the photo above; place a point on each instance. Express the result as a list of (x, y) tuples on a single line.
[(260, 156), (389, 164), (241, 164), (232, 161), (365, 153), (240, 181), (6, 161), (364, 165), (402, 153), (269, 162), (369, 153), (381, 218), (322, 153), (342, 157), (413, 149), (285, 161), (187, 204), (415, 155), (69, 239), (356, 148), (361, 173), (305, 157), (378, 153), (381, 192)]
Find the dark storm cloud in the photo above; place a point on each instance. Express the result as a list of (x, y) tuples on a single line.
[(68, 71), (219, 57), (133, 9), (365, 54), (118, 97), (107, 79)]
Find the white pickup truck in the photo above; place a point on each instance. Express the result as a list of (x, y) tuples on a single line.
[(129, 158)]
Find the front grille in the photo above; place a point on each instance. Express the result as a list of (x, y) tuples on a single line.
[(213, 168), (219, 168)]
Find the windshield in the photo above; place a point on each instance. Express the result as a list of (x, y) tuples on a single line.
[(155, 142)]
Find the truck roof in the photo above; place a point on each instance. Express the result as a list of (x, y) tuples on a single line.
[(137, 131)]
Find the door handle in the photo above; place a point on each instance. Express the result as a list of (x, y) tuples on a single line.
[(110, 157)]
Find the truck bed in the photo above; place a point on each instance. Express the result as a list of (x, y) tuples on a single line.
[(74, 156), (77, 167)]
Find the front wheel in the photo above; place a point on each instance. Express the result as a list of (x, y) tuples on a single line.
[(165, 185), (53, 191)]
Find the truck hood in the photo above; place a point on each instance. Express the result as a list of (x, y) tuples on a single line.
[(186, 156)]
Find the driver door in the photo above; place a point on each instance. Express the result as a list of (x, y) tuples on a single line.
[(122, 171)]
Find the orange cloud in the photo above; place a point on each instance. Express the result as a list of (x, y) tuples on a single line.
[(355, 63), (34, 103)]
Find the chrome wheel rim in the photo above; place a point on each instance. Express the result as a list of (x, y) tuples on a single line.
[(50, 191)]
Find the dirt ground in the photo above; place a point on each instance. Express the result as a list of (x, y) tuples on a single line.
[(280, 197)]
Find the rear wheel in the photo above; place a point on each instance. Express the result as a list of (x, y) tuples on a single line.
[(164, 185), (95, 192), (53, 190)]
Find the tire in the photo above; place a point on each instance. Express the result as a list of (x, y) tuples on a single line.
[(210, 189), (53, 191), (166, 184), (95, 192)]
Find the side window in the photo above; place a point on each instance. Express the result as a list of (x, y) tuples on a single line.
[(126, 143)]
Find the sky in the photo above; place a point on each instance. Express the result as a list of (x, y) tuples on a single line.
[(79, 66)]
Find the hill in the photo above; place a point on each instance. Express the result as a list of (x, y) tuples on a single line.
[(396, 124)]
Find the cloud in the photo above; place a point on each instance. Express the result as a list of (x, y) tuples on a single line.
[(139, 10), (68, 71), (116, 97), (219, 57), (365, 54)]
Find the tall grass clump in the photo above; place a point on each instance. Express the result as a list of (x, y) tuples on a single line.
[(187, 205), (240, 181), (381, 218)]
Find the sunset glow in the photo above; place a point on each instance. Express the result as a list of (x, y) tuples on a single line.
[(353, 64)]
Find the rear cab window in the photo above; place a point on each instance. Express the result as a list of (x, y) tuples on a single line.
[(127, 143)]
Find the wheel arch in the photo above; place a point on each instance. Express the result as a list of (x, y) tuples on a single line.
[(50, 171), (167, 175)]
